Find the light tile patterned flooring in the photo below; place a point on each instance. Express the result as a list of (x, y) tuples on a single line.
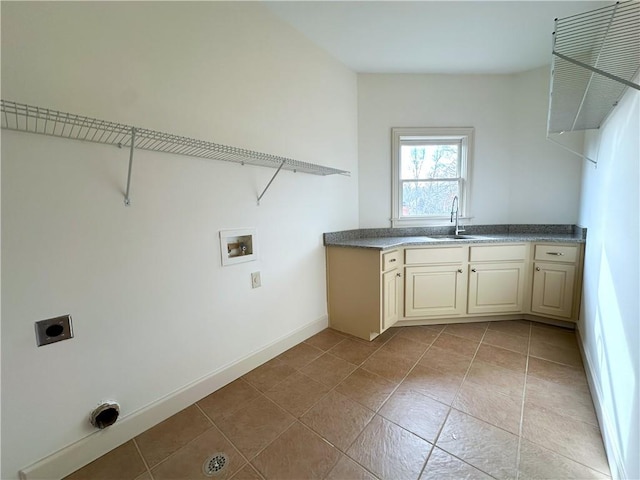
[(501, 400)]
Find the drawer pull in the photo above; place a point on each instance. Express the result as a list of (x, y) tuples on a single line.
[(557, 254), (398, 274), (537, 269), (392, 260), (473, 270), (459, 270)]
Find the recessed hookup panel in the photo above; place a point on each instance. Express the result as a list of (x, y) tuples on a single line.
[(238, 246), (54, 330)]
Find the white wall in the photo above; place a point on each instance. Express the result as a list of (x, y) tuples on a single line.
[(153, 308), (609, 317), (513, 161)]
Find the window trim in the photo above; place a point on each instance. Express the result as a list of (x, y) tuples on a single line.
[(465, 136)]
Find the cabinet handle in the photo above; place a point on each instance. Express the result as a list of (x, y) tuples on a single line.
[(392, 260), (398, 274), (473, 270), (459, 270), (557, 254), (537, 269)]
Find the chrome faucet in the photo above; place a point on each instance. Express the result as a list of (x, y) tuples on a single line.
[(454, 210)]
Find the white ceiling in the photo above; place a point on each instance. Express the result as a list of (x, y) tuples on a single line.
[(432, 36)]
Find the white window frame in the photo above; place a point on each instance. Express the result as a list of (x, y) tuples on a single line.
[(408, 135)]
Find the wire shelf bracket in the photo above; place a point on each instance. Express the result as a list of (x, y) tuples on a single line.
[(595, 59), (127, 198), (270, 182), (33, 119)]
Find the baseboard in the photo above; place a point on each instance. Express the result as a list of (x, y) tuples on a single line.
[(84, 451), (409, 322), (607, 427)]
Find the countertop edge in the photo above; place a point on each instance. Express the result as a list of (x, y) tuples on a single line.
[(389, 243)]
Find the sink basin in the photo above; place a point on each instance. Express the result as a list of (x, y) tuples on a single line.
[(421, 239), (463, 237), (455, 237)]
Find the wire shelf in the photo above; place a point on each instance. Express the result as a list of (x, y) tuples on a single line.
[(45, 121), (596, 57)]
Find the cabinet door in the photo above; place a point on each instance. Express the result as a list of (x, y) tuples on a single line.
[(553, 289), (390, 311), (434, 291), (496, 288)]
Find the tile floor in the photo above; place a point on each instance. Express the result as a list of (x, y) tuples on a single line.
[(501, 400)]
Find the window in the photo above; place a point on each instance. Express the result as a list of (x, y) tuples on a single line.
[(430, 167)]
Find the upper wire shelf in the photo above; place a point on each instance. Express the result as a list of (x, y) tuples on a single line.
[(45, 121), (596, 57)]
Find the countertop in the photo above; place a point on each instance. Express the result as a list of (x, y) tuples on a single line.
[(384, 239)]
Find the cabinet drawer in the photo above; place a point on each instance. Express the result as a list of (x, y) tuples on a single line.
[(416, 256), (498, 253), (557, 253), (390, 260)]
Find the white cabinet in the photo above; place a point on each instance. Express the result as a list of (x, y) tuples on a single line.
[(369, 290), (496, 288), (390, 304), (362, 290), (435, 281), (434, 291), (554, 280), (496, 279)]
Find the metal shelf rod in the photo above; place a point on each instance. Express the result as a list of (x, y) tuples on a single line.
[(270, 182), (597, 70), (127, 199)]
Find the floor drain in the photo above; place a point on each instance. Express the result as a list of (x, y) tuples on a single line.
[(215, 464)]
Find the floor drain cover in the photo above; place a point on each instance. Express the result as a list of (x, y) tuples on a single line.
[(215, 464)]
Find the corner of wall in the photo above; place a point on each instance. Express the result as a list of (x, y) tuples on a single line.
[(607, 427)]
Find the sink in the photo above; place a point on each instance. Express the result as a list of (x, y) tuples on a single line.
[(421, 239), (456, 237)]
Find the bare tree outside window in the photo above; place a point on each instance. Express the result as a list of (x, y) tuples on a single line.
[(429, 177), (431, 165)]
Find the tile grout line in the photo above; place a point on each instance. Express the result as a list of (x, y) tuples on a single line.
[(334, 387), (558, 413), (228, 439), (435, 441), (297, 418), (313, 432), (446, 417), (375, 412), (464, 378), (406, 374), (433, 444), (341, 453), (146, 465), (224, 434), (174, 453), (524, 394), (299, 370)]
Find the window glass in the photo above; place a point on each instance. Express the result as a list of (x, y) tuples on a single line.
[(430, 168)]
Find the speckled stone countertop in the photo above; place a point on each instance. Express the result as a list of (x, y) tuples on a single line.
[(387, 238)]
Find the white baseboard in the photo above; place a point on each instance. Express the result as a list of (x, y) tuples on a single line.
[(84, 451), (411, 322), (607, 427)]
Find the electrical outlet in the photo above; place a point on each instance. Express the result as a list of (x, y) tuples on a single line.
[(255, 280)]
